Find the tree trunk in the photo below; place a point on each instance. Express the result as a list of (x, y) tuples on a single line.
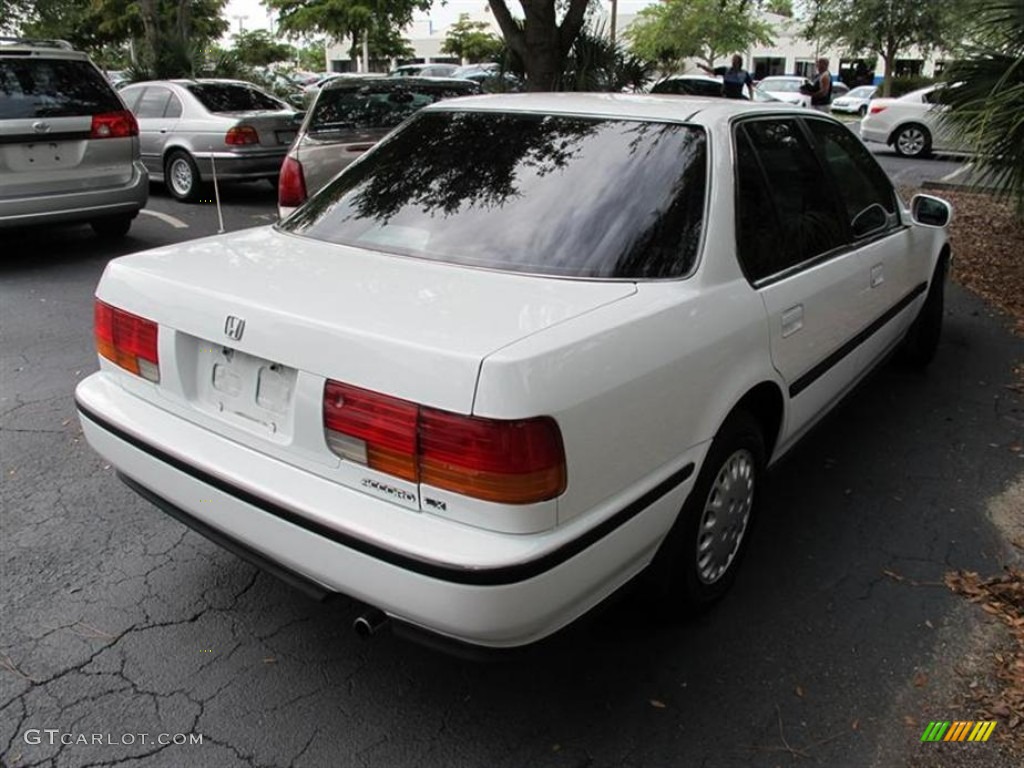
[(149, 10), (541, 43)]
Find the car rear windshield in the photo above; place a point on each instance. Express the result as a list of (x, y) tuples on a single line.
[(551, 195), (377, 106), (34, 87), (228, 97)]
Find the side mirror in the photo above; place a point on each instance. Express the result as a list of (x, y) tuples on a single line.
[(930, 211)]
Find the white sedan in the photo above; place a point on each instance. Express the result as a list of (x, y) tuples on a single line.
[(914, 125), (525, 348)]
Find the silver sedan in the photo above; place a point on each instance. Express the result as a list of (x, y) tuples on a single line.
[(190, 129)]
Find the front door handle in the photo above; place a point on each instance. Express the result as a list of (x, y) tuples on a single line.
[(877, 276), (792, 320)]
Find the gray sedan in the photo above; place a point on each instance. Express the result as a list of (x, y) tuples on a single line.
[(190, 128)]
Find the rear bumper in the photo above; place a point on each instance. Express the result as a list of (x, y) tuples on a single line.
[(239, 166), (471, 585), (77, 206)]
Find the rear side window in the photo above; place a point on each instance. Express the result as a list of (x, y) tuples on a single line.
[(228, 97), (31, 88), (779, 177), (542, 194), (374, 107)]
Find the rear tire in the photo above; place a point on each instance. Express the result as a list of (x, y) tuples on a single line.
[(699, 557), (112, 227), (922, 340), (863, 111), (912, 141), (181, 175)]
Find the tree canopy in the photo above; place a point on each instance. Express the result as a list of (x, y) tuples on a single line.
[(881, 27), (258, 48), (471, 40), (675, 30), (379, 20)]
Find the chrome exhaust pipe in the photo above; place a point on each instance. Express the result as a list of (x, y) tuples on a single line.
[(370, 622)]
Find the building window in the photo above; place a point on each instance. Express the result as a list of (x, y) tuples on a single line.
[(805, 68), (908, 67), (768, 66)]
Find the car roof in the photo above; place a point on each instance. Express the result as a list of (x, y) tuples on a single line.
[(396, 82), (657, 108), (39, 48)]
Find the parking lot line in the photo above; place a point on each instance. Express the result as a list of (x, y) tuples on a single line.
[(167, 218)]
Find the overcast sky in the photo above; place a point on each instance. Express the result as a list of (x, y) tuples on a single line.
[(256, 17)]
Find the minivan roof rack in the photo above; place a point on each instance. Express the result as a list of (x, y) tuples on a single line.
[(39, 43)]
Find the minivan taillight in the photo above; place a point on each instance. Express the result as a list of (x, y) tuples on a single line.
[(128, 340), (518, 461), (291, 184), (114, 125)]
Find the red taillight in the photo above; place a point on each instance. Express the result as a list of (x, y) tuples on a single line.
[(291, 185), (512, 462), (876, 108), (241, 134), (128, 340), (114, 125)]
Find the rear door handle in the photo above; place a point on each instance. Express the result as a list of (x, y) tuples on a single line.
[(792, 320)]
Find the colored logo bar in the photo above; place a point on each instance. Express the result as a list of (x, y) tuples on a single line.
[(959, 730)]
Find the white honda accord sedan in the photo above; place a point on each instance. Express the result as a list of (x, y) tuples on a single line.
[(525, 348)]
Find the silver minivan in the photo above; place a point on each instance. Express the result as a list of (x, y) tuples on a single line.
[(349, 116), (69, 149)]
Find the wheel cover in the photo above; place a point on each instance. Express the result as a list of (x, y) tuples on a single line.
[(911, 141), (725, 517), (181, 176)]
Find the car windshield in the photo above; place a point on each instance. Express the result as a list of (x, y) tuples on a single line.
[(863, 92), (551, 195), (780, 86), (231, 97), (32, 88)]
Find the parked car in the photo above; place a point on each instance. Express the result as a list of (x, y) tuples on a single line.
[(913, 124), (348, 117), (856, 101), (527, 347), (702, 85), (189, 127), (490, 78), (787, 88), (69, 148), (424, 70)]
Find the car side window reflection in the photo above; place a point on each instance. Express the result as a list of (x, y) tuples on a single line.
[(863, 186), (152, 103), (786, 212), (173, 107)]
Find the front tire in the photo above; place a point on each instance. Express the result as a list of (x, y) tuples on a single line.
[(698, 560), (181, 175), (863, 111), (912, 141), (922, 340)]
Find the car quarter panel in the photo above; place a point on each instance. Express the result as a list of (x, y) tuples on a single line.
[(636, 386)]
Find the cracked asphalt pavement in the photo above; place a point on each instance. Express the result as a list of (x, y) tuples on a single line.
[(117, 621)]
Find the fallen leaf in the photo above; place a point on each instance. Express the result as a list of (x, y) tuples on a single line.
[(657, 704), (920, 680), (928, 624), (855, 725), (892, 575), (800, 691), (270, 660), (908, 720)]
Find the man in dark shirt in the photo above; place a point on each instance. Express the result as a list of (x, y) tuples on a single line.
[(734, 78)]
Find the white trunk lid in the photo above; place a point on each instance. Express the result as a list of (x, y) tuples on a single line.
[(406, 327)]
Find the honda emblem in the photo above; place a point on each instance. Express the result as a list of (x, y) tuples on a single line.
[(233, 327)]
